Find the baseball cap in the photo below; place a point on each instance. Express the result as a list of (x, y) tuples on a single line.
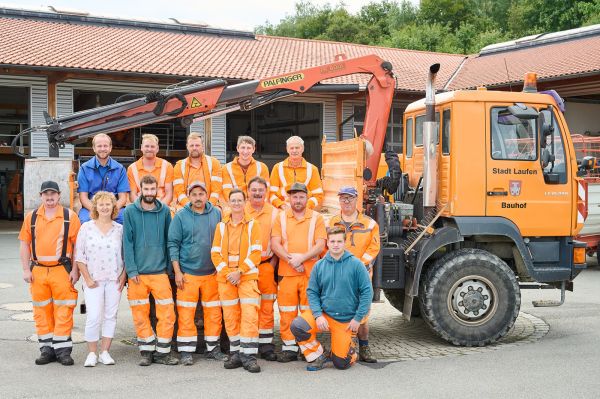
[(348, 190), (196, 184), (297, 187), (49, 185)]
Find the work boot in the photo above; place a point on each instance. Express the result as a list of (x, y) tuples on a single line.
[(287, 356), (233, 362), (146, 358), (318, 363), (47, 356), (216, 354), (251, 365), (186, 359), (165, 359), (65, 359), (269, 356), (365, 355)]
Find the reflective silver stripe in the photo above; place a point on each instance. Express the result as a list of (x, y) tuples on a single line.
[(248, 339), (371, 224), (216, 178), (234, 348), (163, 350), (234, 338), (45, 336), (211, 338), (249, 351), (311, 344), (310, 357), (233, 258), (265, 340), (317, 191), (184, 348), (314, 200), (136, 176), (146, 340), (136, 302), (304, 307), (186, 304), (231, 176), (163, 173), (208, 163), (266, 331), (251, 301), (309, 171), (147, 347), (258, 168), (311, 229), (230, 302), (68, 344), (181, 197), (274, 189), (250, 264), (186, 339), (250, 226), (270, 297), (214, 195), (42, 344), (367, 257), (220, 266), (215, 249), (177, 181), (167, 301), (289, 341), (164, 340), (182, 166), (292, 348), (48, 258), (255, 247), (273, 198), (211, 304), (288, 308), (227, 186), (42, 303), (61, 337), (65, 302), (282, 179)]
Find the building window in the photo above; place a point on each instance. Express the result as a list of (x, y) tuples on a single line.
[(393, 134), (14, 114)]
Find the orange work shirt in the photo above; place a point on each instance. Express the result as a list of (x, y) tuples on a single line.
[(266, 218), (162, 171)]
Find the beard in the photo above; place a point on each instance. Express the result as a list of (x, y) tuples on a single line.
[(149, 199), (298, 207)]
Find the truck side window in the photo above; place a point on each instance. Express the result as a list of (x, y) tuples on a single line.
[(409, 137), (556, 147), (513, 138), (419, 129), (446, 132)]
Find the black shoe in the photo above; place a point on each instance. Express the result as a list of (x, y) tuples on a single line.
[(269, 356), (146, 359), (233, 362), (65, 360), (318, 363), (186, 359), (165, 359), (287, 356), (216, 354), (365, 355), (45, 358), (252, 366)]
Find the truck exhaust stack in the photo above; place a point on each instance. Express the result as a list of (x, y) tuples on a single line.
[(430, 131)]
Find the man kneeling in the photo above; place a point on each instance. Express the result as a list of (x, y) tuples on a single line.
[(339, 294)]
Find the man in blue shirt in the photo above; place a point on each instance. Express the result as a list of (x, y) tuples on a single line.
[(339, 294), (102, 173)]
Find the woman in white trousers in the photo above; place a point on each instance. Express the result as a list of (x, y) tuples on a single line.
[(99, 256)]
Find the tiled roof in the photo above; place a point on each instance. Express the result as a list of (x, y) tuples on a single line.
[(557, 60), (41, 43)]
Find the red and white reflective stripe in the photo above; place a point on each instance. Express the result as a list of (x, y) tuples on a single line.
[(581, 203)]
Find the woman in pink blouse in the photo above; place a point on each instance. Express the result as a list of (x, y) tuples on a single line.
[(99, 256)]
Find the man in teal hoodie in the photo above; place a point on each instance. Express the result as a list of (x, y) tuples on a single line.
[(339, 294), (190, 239), (145, 233)]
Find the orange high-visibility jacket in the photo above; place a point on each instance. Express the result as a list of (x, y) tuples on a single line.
[(209, 173), (249, 245), (362, 237), (266, 218), (163, 172), (283, 176), (234, 176)]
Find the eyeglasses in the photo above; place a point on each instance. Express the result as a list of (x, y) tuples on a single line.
[(347, 200), (236, 201)]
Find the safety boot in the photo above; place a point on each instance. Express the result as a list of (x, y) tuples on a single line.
[(318, 363), (269, 356), (186, 359), (252, 366), (233, 362), (65, 359), (146, 358), (365, 355), (165, 359), (47, 356), (216, 354), (287, 356)]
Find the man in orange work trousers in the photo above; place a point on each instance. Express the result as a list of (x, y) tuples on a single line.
[(236, 253), (258, 209), (362, 241), (145, 232), (47, 240), (298, 238), (339, 293)]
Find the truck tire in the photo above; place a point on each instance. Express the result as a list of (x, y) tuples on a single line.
[(489, 285), (396, 299)]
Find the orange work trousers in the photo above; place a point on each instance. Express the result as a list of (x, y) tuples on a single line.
[(343, 341), (137, 293), (240, 309), (291, 295), (268, 294), (206, 289), (54, 298)]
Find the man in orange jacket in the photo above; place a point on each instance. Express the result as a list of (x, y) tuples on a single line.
[(236, 253), (47, 240), (298, 238), (196, 167), (150, 164), (362, 241), (295, 169), (239, 172), (258, 209)]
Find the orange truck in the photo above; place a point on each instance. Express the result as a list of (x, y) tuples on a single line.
[(486, 195)]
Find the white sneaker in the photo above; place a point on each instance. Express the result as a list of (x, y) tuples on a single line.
[(106, 359), (90, 360)]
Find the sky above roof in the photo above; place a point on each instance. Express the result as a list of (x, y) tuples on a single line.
[(240, 15)]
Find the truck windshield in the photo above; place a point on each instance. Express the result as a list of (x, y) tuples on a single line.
[(512, 138)]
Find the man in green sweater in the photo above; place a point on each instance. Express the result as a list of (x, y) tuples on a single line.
[(339, 294), (145, 232), (190, 239)]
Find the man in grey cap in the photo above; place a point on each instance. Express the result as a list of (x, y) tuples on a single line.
[(47, 240)]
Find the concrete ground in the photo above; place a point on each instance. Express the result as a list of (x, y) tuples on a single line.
[(551, 352)]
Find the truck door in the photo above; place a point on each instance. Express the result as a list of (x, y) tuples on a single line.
[(517, 187)]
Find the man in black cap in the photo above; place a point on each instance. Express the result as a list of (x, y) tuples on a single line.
[(47, 240)]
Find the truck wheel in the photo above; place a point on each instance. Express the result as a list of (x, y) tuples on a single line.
[(470, 297), (396, 298)]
